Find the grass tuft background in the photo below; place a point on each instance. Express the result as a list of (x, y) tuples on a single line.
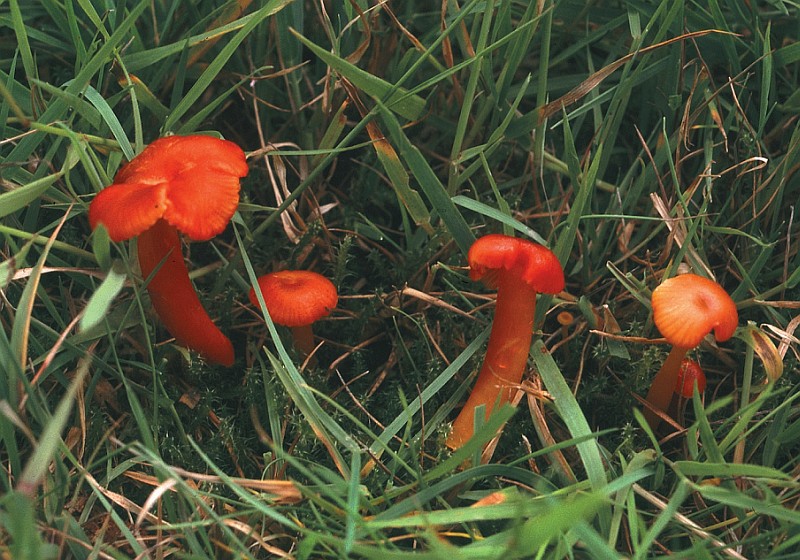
[(636, 139)]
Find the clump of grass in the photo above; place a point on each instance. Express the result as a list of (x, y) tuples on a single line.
[(632, 138)]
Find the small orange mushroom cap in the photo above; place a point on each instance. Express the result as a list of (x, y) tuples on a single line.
[(496, 254), (688, 307), (296, 298), (192, 182), (690, 373)]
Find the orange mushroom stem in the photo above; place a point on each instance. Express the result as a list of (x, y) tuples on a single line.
[(186, 183), (175, 299), (519, 269), (297, 299), (685, 309)]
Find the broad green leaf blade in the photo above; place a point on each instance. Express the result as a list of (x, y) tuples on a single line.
[(332, 134), (712, 470), (211, 72), (100, 302), (20, 197), (738, 499), (573, 417), (18, 517), (435, 386), (101, 247), (20, 330), (397, 99), (111, 120), (9, 266), (49, 442), (497, 215), (399, 178), (137, 61), (431, 185), (146, 97), (23, 44), (56, 110)]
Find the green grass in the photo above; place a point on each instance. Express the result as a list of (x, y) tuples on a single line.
[(633, 138)]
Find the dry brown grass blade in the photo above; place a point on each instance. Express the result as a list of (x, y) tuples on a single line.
[(229, 15), (293, 224), (543, 430), (26, 314), (285, 491), (356, 55), (582, 90), (128, 505), (678, 231), (51, 354), (152, 501), (787, 336), (406, 33), (254, 533), (428, 298), (769, 355), (689, 524)]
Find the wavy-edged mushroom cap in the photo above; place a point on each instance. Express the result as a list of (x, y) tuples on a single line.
[(192, 182), (688, 307), (296, 298), (690, 373), (533, 264)]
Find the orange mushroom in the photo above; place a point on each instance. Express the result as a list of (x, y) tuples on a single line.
[(186, 183), (685, 309), (297, 299), (519, 269)]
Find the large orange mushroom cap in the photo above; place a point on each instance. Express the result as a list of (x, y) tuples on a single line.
[(531, 263), (688, 307), (192, 182), (296, 298)]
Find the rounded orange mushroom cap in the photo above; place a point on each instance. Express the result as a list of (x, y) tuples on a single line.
[(192, 182), (689, 373), (533, 264), (688, 307), (296, 298)]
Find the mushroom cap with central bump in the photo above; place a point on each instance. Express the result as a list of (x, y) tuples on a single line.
[(192, 182), (296, 298), (688, 307), (496, 255)]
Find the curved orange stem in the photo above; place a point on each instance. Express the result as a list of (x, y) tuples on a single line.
[(303, 339), (174, 297), (663, 386), (506, 357)]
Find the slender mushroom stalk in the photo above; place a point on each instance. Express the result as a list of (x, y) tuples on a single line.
[(685, 309), (186, 183), (519, 269), (175, 299), (565, 319), (297, 299)]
